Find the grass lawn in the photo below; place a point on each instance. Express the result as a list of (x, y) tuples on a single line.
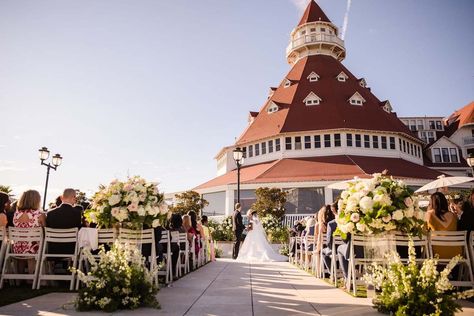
[(10, 295)]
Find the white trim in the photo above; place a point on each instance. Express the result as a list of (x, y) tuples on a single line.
[(313, 77), (342, 77), (388, 107), (287, 83), (272, 108), (312, 99), (356, 99), (363, 83)]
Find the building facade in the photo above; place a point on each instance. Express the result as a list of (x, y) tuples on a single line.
[(320, 125)]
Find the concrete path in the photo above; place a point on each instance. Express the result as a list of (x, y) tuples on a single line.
[(229, 288)]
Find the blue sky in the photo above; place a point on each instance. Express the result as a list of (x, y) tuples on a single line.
[(157, 88)]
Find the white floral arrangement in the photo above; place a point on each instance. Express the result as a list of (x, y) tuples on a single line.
[(134, 201), (414, 290), (377, 205), (276, 232), (119, 280)]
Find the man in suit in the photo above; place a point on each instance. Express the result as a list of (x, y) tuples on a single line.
[(238, 228), (64, 216)]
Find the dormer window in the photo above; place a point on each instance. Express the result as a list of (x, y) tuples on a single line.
[(272, 108), (342, 77), (356, 99), (313, 77), (363, 83), (312, 99), (387, 107), (287, 83)]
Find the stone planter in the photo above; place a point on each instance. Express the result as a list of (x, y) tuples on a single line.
[(226, 248)]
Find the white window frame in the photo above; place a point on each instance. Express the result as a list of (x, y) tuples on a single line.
[(356, 99), (272, 108), (342, 77), (313, 77), (287, 83), (312, 99)]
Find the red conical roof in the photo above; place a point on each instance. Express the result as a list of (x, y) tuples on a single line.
[(334, 111), (313, 13)]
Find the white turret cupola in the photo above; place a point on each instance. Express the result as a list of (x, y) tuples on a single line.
[(314, 35)]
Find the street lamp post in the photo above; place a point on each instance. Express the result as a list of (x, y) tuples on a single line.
[(239, 161), (470, 162), (55, 162)]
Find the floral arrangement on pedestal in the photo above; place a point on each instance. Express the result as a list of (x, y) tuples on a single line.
[(119, 280), (377, 205), (134, 201), (276, 232), (414, 290)]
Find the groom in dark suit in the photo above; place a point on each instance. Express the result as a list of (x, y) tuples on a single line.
[(238, 228)]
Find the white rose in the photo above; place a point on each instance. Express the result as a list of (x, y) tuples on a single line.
[(397, 215), (115, 212), (420, 214), (361, 227), (390, 226), (340, 204), (141, 211), (123, 214), (387, 218), (355, 217), (163, 209), (350, 227), (345, 194), (155, 223), (408, 201), (409, 212), (352, 204), (114, 199), (366, 204)]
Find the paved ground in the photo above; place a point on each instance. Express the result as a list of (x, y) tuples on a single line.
[(229, 288)]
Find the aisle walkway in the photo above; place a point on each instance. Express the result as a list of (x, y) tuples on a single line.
[(229, 288)]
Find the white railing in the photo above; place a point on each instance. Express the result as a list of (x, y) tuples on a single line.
[(314, 38), (288, 219)]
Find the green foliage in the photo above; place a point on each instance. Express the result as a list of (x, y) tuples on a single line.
[(270, 201), (276, 232), (285, 250), (188, 201), (221, 231), (414, 290), (6, 189), (119, 280)]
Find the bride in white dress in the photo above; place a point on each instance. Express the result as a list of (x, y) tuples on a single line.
[(256, 247)]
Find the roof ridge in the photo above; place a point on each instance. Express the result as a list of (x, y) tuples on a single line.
[(269, 168)]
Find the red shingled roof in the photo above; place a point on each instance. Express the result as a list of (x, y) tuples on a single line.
[(331, 168), (334, 112), (313, 13), (460, 118)]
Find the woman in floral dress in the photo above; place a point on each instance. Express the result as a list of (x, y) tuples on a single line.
[(28, 215)]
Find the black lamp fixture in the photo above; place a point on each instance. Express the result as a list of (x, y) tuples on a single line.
[(239, 161), (56, 161), (470, 162)]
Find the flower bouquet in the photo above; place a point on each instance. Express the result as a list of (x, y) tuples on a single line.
[(414, 290), (379, 205), (135, 202), (119, 280)]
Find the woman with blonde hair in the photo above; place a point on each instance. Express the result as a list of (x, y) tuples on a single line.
[(325, 215), (28, 215)]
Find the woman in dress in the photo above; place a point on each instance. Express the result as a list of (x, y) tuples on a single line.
[(256, 247), (28, 215), (439, 218), (4, 208)]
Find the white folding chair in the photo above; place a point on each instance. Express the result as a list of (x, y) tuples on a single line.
[(105, 236), (138, 238), (58, 236), (335, 272), (193, 253), (183, 253), (298, 250), (166, 243), (354, 276), (291, 243), (309, 246), (3, 245), (319, 252), (453, 239), (402, 240), (21, 235), (176, 269)]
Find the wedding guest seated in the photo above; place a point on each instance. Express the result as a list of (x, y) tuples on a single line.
[(28, 215), (206, 236), (327, 251), (197, 227), (64, 216), (466, 215), (10, 213), (4, 208), (439, 218), (308, 231), (325, 215)]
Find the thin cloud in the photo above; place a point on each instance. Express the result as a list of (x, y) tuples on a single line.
[(300, 5)]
